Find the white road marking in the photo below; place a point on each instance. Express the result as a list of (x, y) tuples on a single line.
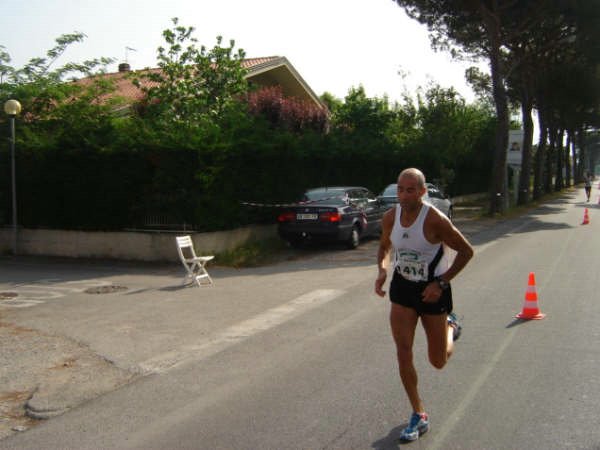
[(46, 289), (16, 303), (31, 292), (240, 331)]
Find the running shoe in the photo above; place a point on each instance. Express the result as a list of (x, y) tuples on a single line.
[(456, 326), (418, 425)]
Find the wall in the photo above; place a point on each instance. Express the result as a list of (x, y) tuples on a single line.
[(460, 199), (140, 245)]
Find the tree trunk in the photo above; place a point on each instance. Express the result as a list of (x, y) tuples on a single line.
[(549, 172), (574, 156), (540, 157), (559, 184), (525, 176), (568, 159), (582, 157), (498, 188)]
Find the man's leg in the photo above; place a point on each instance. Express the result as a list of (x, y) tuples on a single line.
[(440, 342), (403, 321)]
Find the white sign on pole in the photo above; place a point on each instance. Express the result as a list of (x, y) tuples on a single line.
[(515, 148)]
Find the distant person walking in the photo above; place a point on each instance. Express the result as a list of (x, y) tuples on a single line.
[(420, 240), (588, 185)]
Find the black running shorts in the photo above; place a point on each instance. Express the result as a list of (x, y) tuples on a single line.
[(409, 293)]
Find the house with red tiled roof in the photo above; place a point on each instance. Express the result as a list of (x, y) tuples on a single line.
[(278, 71), (263, 72)]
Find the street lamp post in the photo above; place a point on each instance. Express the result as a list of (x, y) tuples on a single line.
[(12, 108)]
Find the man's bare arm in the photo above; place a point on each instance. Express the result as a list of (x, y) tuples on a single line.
[(454, 239), (383, 251)]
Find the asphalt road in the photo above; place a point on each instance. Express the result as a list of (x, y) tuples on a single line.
[(298, 355)]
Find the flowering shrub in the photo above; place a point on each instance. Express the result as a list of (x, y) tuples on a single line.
[(289, 113)]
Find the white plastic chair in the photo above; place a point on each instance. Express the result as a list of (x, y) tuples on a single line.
[(194, 265)]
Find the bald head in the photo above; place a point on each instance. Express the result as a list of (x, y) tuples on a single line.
[(415, 174)]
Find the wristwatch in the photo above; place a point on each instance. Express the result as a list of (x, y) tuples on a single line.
[(443, 284)]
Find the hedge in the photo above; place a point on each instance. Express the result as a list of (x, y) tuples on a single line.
[(203, 187)]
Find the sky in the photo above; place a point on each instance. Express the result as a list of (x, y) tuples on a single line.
[(334, 44)]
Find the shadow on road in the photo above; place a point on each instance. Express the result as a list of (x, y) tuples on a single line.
[(538, 225), (549, 209), (391, 441), (517, 322)]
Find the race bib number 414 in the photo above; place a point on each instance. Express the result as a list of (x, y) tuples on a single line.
[(411, 267)]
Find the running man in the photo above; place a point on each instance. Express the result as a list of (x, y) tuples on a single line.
[(427, 251), (588, 185)]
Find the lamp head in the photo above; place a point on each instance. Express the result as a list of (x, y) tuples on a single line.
[(12, 107)]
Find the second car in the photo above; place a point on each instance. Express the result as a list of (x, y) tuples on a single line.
[(434, 196)]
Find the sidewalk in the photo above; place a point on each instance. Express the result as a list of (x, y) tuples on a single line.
[(73, 330)]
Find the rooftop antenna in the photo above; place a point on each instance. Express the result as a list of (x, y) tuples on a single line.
[(124, 66), (128, 49)]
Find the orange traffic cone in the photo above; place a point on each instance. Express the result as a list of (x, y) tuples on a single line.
[(586, 217), (530, 306)]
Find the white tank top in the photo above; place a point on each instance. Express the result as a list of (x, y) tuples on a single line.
[(412, 252)]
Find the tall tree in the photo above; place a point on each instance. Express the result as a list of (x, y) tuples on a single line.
[(193, 84), (39, 86), (363, 115), (56, 111), (474, 28)]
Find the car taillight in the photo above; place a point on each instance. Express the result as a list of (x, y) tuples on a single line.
[(330, 217), (285, 217)]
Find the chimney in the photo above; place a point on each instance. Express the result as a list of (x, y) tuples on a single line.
[(124, 67)]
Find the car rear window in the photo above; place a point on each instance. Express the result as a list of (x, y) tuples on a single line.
[(390, 191), (325, 195)]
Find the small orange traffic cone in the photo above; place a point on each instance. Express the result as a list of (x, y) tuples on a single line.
[(586, 217), (530, 306)]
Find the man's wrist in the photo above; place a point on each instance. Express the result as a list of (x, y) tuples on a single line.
[(443, 284)]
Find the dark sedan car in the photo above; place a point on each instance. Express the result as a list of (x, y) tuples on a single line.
[(434, 196), (341, 213)]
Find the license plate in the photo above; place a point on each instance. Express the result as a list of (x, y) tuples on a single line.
[(307, 216)]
